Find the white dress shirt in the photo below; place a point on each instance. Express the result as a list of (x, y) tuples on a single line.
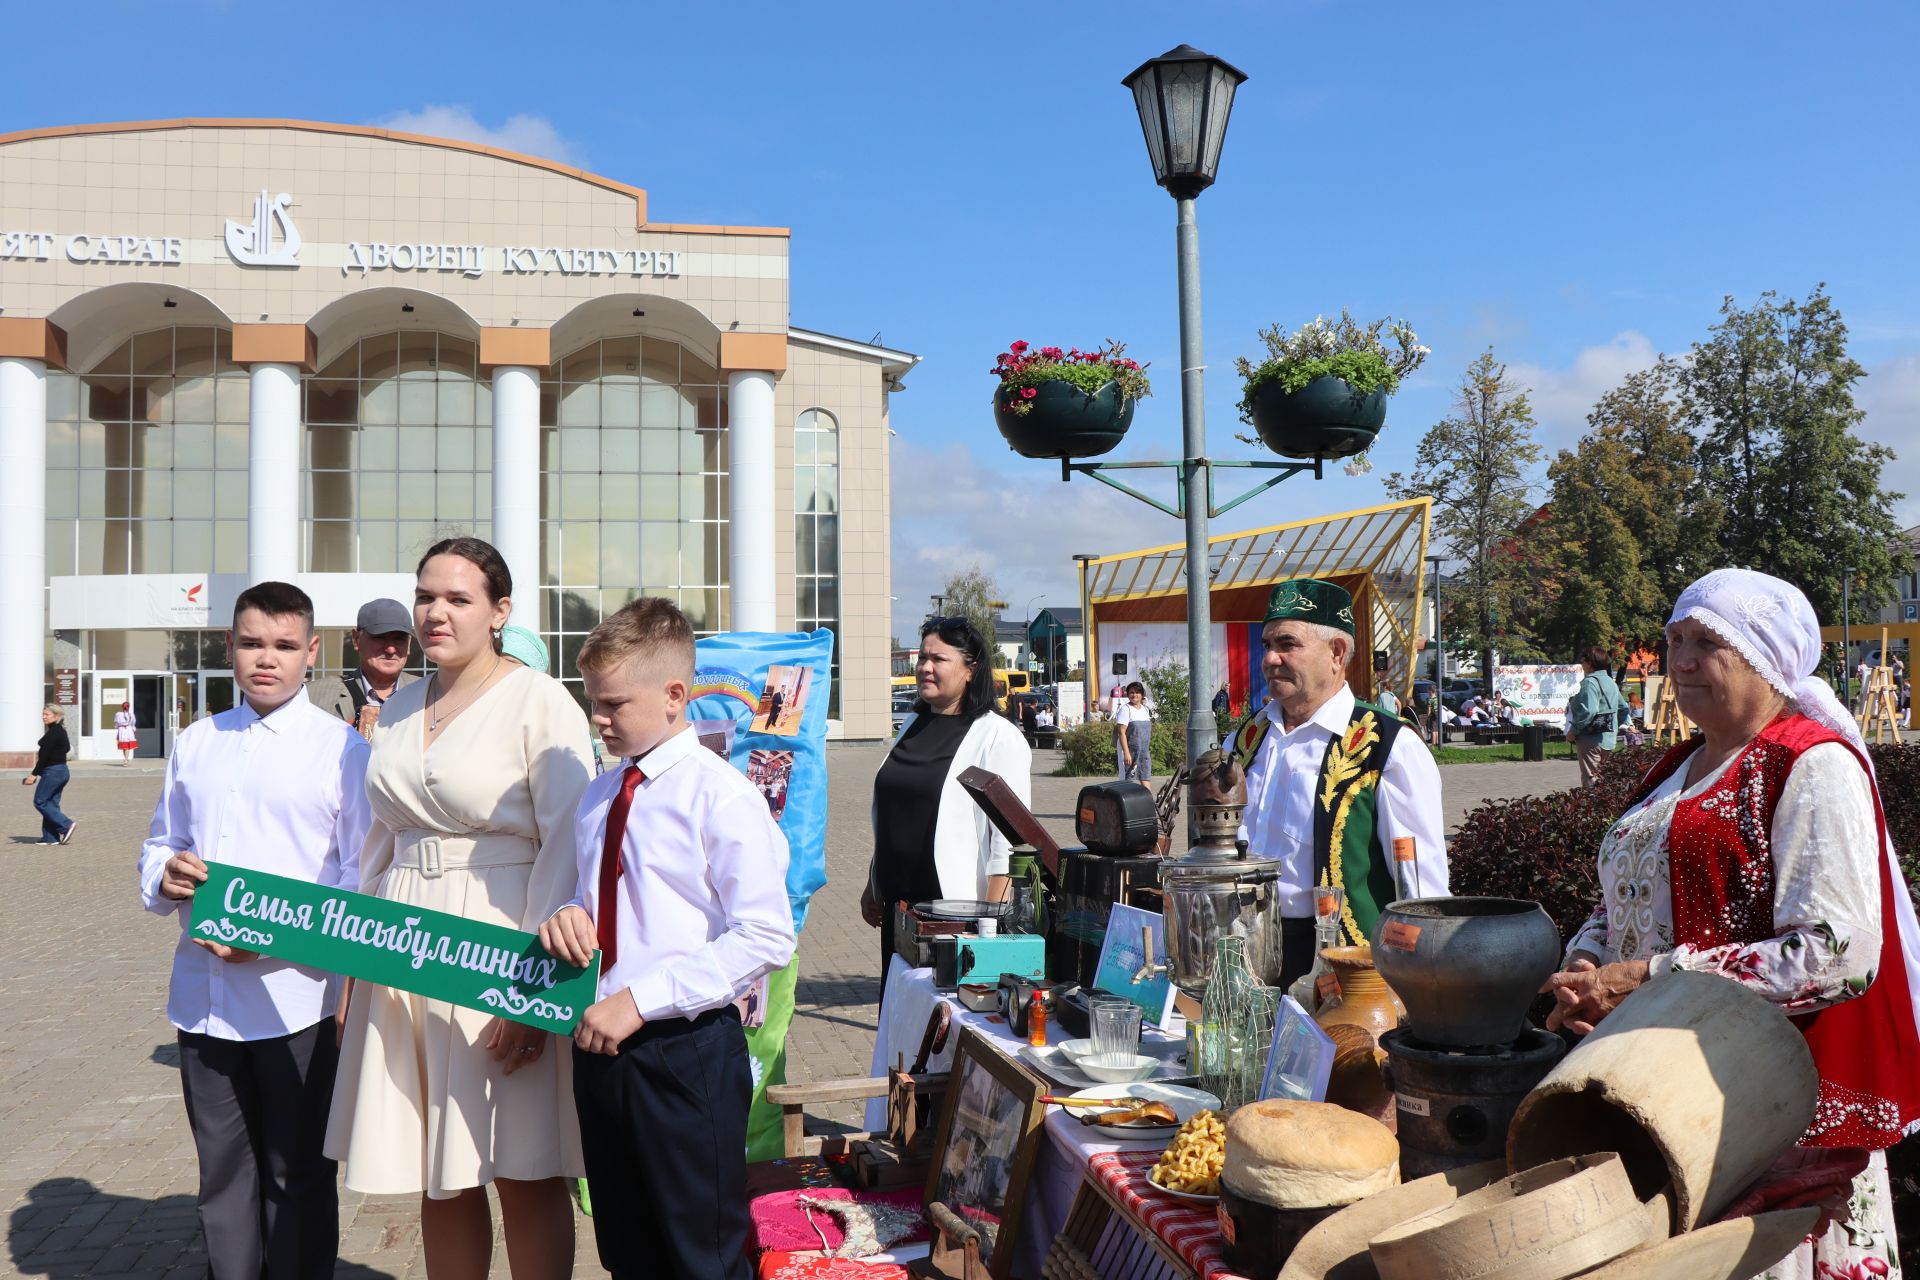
[(701, 908), (285, 793), (1282, 783)]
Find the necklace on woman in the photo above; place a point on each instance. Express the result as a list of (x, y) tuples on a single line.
[(435, 721)]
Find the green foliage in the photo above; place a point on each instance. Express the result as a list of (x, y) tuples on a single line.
[(1498, 753), (1092, 750), (1340, 348), (1474, 467), (1769, 398), (968, 593), (1166, 684), (1628, 525)]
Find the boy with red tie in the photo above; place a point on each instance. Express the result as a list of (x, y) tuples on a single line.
[(683, 890)]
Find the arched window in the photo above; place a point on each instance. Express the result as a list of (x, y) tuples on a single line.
[(633, 501), (147, 459), (816, 531), (399, 451)]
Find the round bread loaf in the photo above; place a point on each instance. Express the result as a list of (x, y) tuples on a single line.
[(1307, 1155)]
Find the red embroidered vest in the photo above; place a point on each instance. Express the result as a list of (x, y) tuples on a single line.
[(1719, 853)]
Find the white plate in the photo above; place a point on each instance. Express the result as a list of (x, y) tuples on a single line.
[(1186, 1103), (1195, 1196)]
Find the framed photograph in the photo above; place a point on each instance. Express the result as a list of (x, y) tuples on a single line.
[(985, 1145)]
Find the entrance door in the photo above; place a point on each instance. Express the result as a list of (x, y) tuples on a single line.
[(145, 693), (217, 692)]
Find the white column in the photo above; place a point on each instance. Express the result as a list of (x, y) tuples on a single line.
[(516, 483), (23, 560), (750, 506), (273, 472)]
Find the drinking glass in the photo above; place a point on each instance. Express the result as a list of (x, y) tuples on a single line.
[(1116, 1026)]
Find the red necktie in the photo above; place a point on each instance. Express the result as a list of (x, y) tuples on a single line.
[(609, 923)]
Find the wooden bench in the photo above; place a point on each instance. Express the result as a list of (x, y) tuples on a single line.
[(1482, 735)]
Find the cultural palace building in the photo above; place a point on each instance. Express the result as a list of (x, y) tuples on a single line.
[(238, 350)]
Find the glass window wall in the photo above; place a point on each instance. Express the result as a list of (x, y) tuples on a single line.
[(634, 489), (399, 453), (147, 459)]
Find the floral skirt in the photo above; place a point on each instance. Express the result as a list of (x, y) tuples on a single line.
[(1863, 1249)]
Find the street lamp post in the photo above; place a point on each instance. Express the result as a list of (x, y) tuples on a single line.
[(1026, 637), (1184, 98), (1846, 631), (1439, 658), (1083, 559)]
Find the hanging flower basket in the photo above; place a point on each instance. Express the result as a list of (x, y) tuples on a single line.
[(1065, 404), (1061, 420), (1328, 418), (1321, 392)]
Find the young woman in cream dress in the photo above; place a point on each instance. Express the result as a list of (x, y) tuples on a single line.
[(473, 783)]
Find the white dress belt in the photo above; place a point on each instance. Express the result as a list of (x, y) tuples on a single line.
[(433, 852)]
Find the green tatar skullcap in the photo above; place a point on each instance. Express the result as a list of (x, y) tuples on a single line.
[(1312, 600)]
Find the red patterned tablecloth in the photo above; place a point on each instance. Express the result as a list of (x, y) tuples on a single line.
[(1192, 1230)]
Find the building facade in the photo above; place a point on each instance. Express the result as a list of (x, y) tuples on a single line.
[(236, 350)]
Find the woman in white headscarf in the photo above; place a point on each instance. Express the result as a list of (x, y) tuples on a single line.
[(1759, 852)]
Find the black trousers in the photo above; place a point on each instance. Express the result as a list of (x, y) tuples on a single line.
[(663, 1127), (269, 1206)]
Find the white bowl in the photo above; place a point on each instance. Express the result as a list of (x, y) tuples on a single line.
[(1076, 1049), (1117, 1068)]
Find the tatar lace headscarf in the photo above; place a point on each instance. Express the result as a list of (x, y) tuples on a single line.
[(1771, 624)]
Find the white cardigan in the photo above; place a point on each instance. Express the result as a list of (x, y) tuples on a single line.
[(966, 847)]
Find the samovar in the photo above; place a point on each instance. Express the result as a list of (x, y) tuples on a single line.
[(1215, 890)]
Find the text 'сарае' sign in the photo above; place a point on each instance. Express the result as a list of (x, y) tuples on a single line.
[(431, 953)]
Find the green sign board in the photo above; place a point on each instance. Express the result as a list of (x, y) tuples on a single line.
[(431, 953)]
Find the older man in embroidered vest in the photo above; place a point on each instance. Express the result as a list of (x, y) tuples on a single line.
[(1335, 790)]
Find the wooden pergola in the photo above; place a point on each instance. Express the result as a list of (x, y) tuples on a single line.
[(1377, 553)]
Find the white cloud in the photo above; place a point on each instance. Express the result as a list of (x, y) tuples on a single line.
[(1890, 394), (1562, 398), (528, 134), (1014, 518)]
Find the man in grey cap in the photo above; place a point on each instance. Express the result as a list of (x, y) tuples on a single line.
[(383, 637)]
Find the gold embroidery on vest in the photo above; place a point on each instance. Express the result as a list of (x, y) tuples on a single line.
[(1336, 875), (1346, 756)]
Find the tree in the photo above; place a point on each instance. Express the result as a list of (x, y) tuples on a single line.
[(969, 593), (1627, 527), (1769, 398), (1474, 466)]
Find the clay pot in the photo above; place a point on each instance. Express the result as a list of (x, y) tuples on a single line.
[(1365, 999), (1467, 968), (1358, 1080)]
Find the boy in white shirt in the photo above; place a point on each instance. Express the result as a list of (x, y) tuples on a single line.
[(276, 785), (682, 888)]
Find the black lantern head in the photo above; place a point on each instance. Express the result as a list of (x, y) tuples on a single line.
[(1184, 97)]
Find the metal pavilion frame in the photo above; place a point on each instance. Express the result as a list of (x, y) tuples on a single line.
[(1387, 544)]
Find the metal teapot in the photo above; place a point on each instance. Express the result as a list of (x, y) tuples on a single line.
[(1215, 890)]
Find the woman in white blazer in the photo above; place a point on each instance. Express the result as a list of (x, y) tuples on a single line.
[(930, 840)]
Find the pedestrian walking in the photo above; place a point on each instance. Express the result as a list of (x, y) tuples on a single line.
[(50, 776), (126, 735), (1594, 715)]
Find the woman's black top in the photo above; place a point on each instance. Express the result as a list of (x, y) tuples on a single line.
[(53, 748), (906, 807)]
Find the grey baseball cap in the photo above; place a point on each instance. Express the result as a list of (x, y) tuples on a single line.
[(380, 617)]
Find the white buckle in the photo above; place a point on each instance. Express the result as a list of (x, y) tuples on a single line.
[(430, 858)]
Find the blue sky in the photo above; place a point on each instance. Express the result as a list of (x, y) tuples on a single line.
[(1576, 185)]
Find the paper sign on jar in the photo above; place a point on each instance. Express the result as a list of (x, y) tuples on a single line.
[(430, 953)]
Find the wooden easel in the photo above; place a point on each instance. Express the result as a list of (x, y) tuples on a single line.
[(1880, 709), (1665, 724)]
